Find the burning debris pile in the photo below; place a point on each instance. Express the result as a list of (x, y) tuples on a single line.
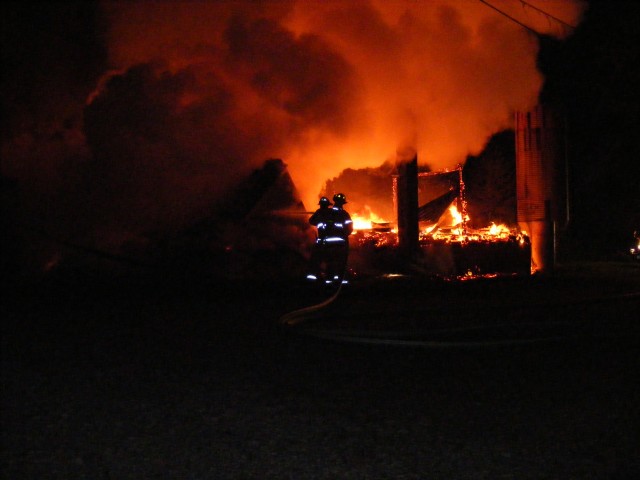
[(447, 243), (465, 252), (449, 251)]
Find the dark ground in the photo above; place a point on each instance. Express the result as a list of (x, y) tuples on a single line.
[(506, 379)]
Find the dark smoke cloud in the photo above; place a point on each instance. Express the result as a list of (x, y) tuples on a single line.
[(303, 77), (52, 56), (168, 142)]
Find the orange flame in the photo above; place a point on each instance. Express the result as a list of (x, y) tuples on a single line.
[(365, 221)]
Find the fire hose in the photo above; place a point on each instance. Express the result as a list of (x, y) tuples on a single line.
[(297, 316)]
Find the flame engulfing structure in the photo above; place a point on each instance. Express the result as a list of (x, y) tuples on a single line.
[(496, 250), (192, 96), (445, 245)]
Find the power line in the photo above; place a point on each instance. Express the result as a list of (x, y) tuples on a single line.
[(547, 14), (511, 18), (527, 4)]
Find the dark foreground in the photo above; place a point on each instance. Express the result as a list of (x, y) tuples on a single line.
[(199, 381)]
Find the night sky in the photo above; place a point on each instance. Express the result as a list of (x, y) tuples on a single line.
[(120, 119), (593, 78)]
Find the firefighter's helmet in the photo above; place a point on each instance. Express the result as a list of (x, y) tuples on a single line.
[(339, 199), (324, 202)]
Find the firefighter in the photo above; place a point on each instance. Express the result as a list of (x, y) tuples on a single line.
[(320, 219), (337, 240)]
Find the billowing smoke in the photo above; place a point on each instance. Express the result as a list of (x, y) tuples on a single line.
[(194, 95)]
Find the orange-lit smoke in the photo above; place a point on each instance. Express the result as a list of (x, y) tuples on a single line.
[(337, 84)]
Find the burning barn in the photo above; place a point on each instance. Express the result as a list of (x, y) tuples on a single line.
[(435, 236), (433, 231)]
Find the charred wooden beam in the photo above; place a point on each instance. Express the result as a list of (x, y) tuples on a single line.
[(407, 203)]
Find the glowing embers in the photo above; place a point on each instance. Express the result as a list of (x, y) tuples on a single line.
[(453, 227), (374, 238), (448, 251), (477, 254), (492, 233)]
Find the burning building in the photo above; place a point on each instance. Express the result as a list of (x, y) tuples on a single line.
[(163, 108), (435, 236)]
